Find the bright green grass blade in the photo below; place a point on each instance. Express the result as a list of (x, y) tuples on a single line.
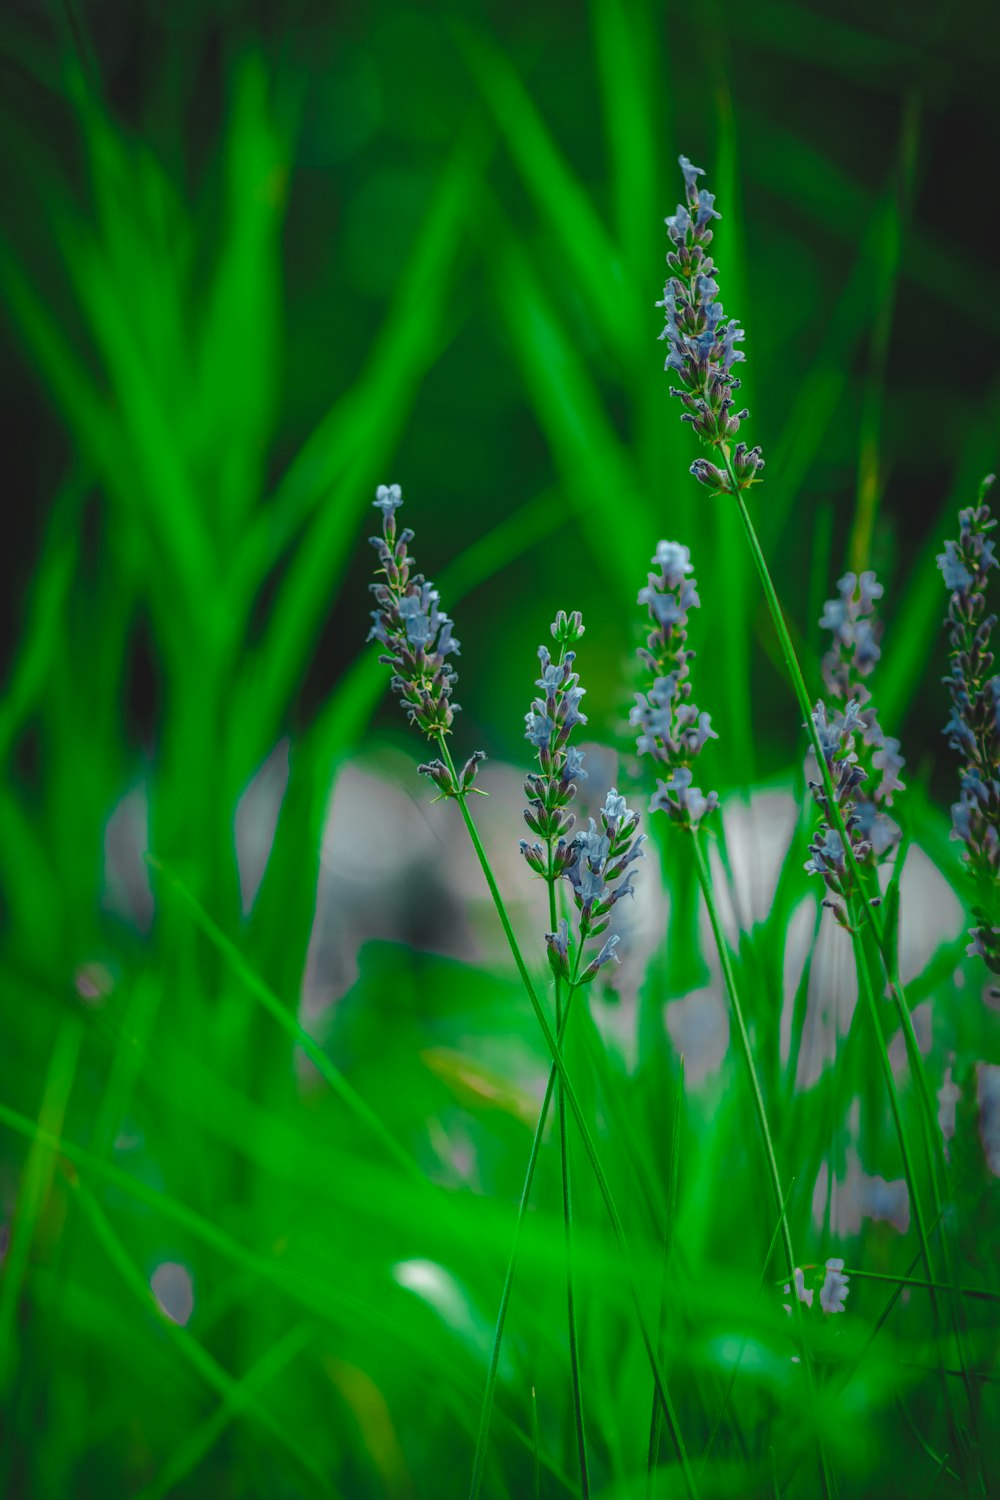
[(285, 1018), (597, 476), (241, 1396), (332, 1303), (558, 196), (237, 1394), (43, 637), (626, 56), (34, 1189), (65, 376), (340, 470), (240, 328), (656, 1417), (406, 345)]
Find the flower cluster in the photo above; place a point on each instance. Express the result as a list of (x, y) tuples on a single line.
[(671, 728), (598, 870), (828, 856), (973, 728), (418, 641), (701, 339), (832, 1294), (855, 651), (550, 721)]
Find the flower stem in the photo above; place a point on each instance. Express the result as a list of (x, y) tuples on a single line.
[(933, 1145), (743, 1043), (868, 993), (586, 1138), (574, 1349), (482, 1437)]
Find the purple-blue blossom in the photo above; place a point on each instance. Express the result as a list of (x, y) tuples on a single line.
[(414, 632), (972, 729), (852, 620), (701, 338), (670, 728), (549, 723)]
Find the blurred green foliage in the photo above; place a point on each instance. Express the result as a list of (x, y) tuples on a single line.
[(259, 259)]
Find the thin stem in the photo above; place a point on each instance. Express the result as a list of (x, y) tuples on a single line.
[(574, 1348), (933, 1145), (864, 981), (764, 1129), (655, 1420), (482, 1437), (585, 1135), (836, 816)]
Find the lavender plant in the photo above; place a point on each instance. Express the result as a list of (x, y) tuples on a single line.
[(702, 354), (672, 730), (702, 341), (418, 641), (973, 727), (864, 763)]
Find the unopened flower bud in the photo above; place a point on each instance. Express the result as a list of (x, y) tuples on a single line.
[(568, 629), (441, 777), (605, 956), (707, 474), (468, 772), (557, 944)]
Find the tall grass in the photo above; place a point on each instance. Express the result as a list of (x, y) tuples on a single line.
[(188, 720)]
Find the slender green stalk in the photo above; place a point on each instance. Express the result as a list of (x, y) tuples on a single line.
[(585, 1135), (656, 1415), (482, 1437), (933, 1145), (799, 687), (574, 1349), (743, 1042), (865, 984), (537, 1489), (775, 1234)]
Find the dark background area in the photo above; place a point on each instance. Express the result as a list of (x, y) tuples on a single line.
[(818, 99)]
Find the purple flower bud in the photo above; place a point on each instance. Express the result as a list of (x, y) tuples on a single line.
[(440, 775), (388, 499), (606, 955), (468, 772), (707, 474), (534, 855)]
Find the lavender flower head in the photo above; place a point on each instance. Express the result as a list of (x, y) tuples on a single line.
[(550, 722), (702, 340), (599, 873), (973, 728), (864, 763), (418, 641), (595, 861), (671, 728)]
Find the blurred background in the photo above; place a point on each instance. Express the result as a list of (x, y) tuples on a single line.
[(258, 259)]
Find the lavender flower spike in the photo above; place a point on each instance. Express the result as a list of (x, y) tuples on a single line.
[(701, 340), (834, 1291), (550, 721), (671, 729), (417, 642), (857, 631), (973, 728)]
